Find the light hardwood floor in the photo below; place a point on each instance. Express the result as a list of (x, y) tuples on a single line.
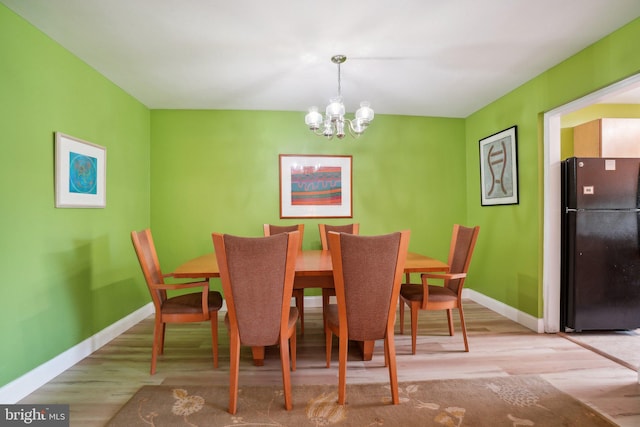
[(99, 385)]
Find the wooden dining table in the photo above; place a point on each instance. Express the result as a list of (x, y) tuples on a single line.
[(313, 270)]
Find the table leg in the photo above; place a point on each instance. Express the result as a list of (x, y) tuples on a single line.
[(367, 349), (258, 355)]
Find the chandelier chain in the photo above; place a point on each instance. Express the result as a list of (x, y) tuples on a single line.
[(339, 81)]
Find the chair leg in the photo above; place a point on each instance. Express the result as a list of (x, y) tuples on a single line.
[(464, 329), (342, 367), (299, 296), (386, 354), (286, 375), (325, 303), (328, 342), (450, 321), (414, 326), (390, 352), (401, 309), (234, 365), (292, 349), (214, 338), (156, 346), (163, 329)]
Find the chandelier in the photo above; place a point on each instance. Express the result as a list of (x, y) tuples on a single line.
[(334, 122)]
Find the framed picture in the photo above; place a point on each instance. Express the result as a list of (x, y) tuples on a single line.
[(315, 186), (499, 168), (80, 173)]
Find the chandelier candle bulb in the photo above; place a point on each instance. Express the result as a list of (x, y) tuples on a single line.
[(313, 118)]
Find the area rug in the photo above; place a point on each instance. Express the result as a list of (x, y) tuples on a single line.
[(499, 401)]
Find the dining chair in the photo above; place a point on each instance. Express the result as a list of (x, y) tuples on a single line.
[(298, 294), (367, 272), (257, 280), (426, 296), (190, 307), (324, 230)]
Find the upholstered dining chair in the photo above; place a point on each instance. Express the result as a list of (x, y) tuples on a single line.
[(367, 272), (298, 294), (324, 230), (191, 307), (426, 296), (257, 280)]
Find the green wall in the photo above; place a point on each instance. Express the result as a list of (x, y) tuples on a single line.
[(508, 261), (218, 171), (66, 273)]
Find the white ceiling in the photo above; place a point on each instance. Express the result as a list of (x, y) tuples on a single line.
[(414, 57)]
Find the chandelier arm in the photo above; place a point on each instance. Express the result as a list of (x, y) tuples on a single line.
[(319, 133), (352, 130)]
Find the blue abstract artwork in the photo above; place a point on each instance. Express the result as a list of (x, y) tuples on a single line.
[(83, 174)]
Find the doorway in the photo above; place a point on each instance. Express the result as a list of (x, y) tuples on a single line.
[(552, 204)]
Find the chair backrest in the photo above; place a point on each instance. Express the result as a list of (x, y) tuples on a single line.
[(271, 230), (257, 279), (367, 273), (326, 228), (148, 258), (463, 241)]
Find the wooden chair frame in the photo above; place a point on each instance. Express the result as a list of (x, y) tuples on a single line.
[(448, 304), (342, 328), (327, 293), (287, 335), (298, 294), (150, 265)]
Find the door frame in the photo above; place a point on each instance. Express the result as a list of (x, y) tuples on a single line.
[(552, 204)]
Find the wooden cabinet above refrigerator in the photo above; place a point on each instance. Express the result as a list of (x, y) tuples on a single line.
[(607, 137)]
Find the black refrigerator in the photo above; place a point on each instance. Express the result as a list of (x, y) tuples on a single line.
[(600, 285)]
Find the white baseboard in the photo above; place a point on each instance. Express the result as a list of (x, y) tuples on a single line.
[(32, 380), (527, 320)]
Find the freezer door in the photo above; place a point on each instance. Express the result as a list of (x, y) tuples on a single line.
[(603, 271), (596, 183)]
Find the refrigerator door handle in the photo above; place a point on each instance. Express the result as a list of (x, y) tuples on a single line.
[(638, 231), (638, 190)]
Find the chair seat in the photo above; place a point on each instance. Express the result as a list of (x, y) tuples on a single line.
[(413, 292), (191, 303)]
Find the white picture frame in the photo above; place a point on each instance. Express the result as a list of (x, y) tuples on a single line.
[(326, 191), (499, 168), (80, 173)]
